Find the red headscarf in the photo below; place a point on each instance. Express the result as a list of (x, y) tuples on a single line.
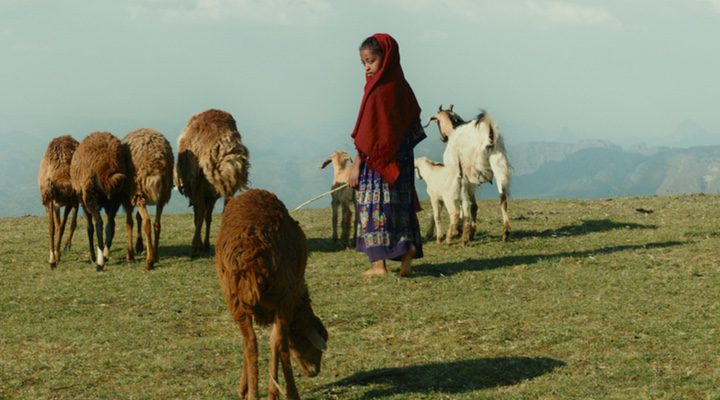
[(387, 110)]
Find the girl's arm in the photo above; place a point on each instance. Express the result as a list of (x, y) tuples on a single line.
[(355, 171)]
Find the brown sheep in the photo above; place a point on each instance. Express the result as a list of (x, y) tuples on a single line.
[(212, 163), (152, 162), (261, 254), (99, 174), (56, 191), (344, 198)]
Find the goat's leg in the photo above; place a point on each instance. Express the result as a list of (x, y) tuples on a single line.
[(473, 213), (199, 214), (250, 362), (284, 330), (506, 219), (466, 215), (73, 225), (208, 222), (51, 232), (150, 253), (157, 227), (275, 344), (139, 241), (334, 221), (345, 231)]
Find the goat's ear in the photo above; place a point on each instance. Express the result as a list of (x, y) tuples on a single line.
[(417, 173), (451, 106), (325, 163)]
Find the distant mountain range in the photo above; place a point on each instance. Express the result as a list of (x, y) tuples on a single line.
[(289, 166)]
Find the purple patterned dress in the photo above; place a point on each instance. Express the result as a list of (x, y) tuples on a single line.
[(387, 225)]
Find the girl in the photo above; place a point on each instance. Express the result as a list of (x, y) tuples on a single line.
[(387, 128)]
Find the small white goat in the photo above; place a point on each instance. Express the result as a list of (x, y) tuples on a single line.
[(480, 150), (344, 198), (443, 187)]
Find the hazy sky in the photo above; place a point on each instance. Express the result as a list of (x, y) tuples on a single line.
[(628, 71)]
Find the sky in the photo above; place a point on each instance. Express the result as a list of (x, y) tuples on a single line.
[(643, 71)]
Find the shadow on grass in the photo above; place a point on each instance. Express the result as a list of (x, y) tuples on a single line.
[(326, 245), (583, 228), (183, 250), (483, 264), (447, 378)]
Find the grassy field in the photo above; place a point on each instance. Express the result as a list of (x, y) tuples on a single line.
[(589, 300)]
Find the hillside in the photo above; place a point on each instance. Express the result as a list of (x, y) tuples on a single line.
[(602, 299)]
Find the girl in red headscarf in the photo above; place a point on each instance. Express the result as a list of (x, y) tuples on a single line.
[(387, 129)]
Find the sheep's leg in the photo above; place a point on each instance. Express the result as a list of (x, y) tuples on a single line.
[(111, 211), (506, 219), (73, 225), (149, 256), (466, 215), (208, 221), (345, 231), (100, 257), (130, 256), (436, 218), (248, 385), (199, 213), (139, 241), (59, 228), (51, 233), (157, 227), (90, 233), (284, 331)]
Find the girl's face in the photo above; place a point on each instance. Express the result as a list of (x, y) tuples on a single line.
[(371, 61)]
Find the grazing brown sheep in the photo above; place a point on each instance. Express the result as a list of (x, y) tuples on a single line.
[(151, 161), (260, 256), (56, 191), (343, 198), (212, 163), (99, 174)]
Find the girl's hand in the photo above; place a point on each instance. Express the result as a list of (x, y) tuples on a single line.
[(354, 175)]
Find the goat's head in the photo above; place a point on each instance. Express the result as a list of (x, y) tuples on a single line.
[(308, 338), (338, 158), (447, 121)]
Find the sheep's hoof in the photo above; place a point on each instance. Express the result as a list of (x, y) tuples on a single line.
[(53, 265), (148, 265), (138, 247), (67, 247), (130, 258), (506, 236), (99, 268)]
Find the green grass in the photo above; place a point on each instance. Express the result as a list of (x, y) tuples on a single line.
[(589, 300)]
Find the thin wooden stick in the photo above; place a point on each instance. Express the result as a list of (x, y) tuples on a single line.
[(344, 185)]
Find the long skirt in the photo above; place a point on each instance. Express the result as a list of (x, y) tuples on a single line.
[(387, 224)]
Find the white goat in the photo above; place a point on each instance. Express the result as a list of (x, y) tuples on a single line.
[(344, 198), (480, 150), (443, 187)]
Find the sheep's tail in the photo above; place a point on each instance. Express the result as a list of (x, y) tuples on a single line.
[(227, 166), (153, 188), (110, 184)]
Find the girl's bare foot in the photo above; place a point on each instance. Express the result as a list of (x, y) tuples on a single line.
[(377, 268), (406, 260)]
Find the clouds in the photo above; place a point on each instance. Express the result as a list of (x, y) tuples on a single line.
[(714, 3), (283, 12), (541, 13)]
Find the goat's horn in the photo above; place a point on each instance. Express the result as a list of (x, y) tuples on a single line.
[(451, 106), (431, 119), (314, 337), (440, 107)]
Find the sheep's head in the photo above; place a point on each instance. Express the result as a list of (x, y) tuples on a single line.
[(338, 158), (308, 338), (447, 121)]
